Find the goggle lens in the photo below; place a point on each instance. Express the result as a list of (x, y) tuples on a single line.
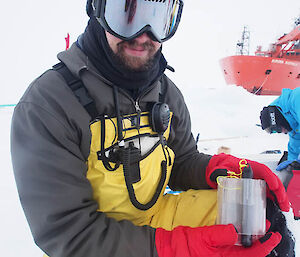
[(130, 18)]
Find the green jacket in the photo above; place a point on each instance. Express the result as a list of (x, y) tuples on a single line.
[(50, 143)]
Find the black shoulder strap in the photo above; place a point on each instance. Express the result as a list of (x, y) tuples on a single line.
[(163, 90), (78, 89)]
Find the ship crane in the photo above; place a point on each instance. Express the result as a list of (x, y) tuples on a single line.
[(287, 46)]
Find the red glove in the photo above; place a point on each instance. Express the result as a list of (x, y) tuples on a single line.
[(210, 241), (220, 164)]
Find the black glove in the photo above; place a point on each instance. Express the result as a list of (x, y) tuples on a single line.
[(272, 120), (286, 247)]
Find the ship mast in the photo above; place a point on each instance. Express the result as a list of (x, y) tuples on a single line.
[(243, 46)]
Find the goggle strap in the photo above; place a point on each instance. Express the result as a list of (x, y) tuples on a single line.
[(97, 6)]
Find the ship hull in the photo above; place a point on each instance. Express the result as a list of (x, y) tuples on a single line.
[(261, 75)]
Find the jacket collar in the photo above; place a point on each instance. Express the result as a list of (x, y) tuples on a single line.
[(77, 62)]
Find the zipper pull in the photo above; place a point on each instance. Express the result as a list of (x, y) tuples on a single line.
[(137, 107), (138, 111)]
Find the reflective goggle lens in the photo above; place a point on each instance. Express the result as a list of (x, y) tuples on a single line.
[(128, 18)]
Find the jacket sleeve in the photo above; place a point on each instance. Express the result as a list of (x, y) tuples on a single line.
[(189, 166), (56, 196), (294, 146), (294, 135)]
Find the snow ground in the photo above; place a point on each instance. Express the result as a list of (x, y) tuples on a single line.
[(224, 116)]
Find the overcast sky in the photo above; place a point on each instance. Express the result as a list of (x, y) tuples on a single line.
[(33, 31)]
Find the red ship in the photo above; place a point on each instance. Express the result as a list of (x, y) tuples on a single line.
[(266, 72)]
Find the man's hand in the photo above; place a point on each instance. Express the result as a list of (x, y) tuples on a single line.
[(224, 165), (293, 163), (210, 241)]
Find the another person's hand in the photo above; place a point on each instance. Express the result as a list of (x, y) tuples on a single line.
[(210, 241), (221, 164), (285, 164)]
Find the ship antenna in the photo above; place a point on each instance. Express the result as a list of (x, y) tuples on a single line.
[(242, 47)]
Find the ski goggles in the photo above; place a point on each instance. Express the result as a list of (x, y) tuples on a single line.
[(128, 19)]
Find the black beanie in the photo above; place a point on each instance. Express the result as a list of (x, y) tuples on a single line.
[(265, 118)]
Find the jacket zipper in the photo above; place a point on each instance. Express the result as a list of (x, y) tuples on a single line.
[(135, 103), (138, 111)]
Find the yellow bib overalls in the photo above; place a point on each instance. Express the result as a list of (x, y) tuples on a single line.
[(191, 208)]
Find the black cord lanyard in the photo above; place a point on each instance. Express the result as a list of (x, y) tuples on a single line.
[(125, 155)]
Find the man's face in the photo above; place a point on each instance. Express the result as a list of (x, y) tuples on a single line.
[(136, 54)]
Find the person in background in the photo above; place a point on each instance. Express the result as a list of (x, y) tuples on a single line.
[(96, 140), (283, 116)]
